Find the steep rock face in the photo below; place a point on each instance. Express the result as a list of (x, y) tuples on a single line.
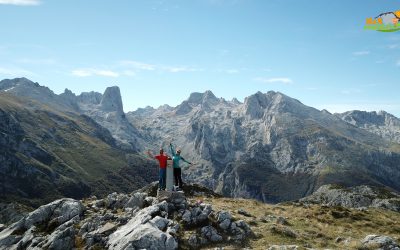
[(112, 101), (89, 98), (271, 147), (110, 114), (381, 123)]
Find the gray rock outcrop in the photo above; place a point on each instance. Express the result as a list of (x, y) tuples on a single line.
[(56, 220), (112, 101), (123, 221), (355, 197), (380, 242)]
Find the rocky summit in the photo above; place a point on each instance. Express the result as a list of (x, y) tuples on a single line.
[(126, 221), (198, 218)]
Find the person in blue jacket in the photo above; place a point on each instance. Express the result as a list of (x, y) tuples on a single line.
[(176, 158)]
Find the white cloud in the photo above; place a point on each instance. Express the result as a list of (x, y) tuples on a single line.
[(15, 72), (108, 73), (82, 72), (393, 46), (141, 66), (93, 72), (176, 69), (398, 63), (282, 80), (138, 65), (361, 53), (21, 2)]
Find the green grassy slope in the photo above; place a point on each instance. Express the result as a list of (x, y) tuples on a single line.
[(48, 154)]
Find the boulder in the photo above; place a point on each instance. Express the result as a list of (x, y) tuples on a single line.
[(107, 229), (115, 200), (211, 234), (223, 215), (244, 212), (381, 242), (160, 222), (225, 224), (283, 247), (53, 218), (142, 232), (138, 200)]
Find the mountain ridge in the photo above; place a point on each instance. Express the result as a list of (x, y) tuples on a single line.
[(270, 147)]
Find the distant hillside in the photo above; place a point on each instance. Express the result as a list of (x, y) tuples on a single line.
[(381, 123), (105, 109), (47, 154)]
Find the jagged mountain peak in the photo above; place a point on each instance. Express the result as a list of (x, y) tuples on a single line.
[(112, 100), (236, 101), (91, 97), (68, 92), (144, 111), (7, 84), (200, 98), (255, 105), (204, 100), (357, 117)]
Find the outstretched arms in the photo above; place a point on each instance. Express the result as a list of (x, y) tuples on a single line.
[(186, 161)]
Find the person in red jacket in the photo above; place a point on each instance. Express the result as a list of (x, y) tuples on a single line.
[(162, 159)]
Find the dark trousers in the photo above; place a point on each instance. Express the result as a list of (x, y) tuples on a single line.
[(178, 177), (161, 181)]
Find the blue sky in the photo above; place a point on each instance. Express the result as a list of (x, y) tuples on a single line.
[(160, 51)]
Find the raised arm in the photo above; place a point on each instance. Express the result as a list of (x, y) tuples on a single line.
[(150, 154), (172, 149)]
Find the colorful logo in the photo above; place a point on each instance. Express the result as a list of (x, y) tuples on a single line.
[(385, 22)]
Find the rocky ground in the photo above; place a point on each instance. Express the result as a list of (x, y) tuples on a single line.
[(297, 225), (200, 219), (145, 219)]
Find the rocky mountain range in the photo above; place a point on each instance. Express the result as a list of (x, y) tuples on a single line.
[(270, 147)]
